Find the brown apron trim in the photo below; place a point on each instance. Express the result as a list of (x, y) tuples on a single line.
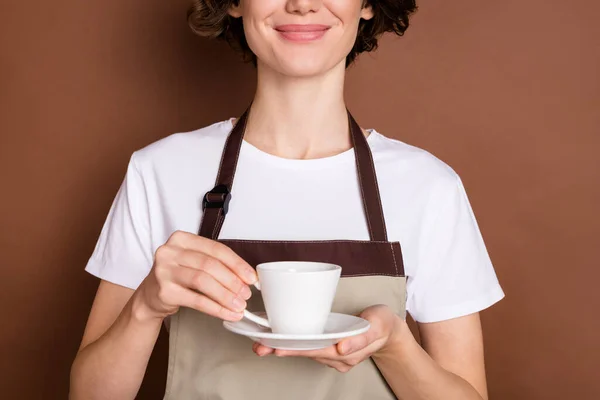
[(213, 218), (357, 258), (368, 182), (216, 202), (219, 223), (394, 256), (209, 222), (362, 189), (232, 144)]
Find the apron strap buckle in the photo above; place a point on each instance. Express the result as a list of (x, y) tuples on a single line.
[(218, 197)]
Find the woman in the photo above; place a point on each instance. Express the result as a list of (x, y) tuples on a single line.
[(303, 172)]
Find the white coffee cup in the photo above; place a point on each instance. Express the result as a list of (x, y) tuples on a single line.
[(297, 295)]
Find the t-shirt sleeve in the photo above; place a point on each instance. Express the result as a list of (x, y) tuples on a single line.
[(455, 276), (123, 254)]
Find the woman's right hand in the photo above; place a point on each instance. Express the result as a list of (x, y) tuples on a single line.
[(195, 272)]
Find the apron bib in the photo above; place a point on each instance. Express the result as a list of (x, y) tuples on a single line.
[(208, 362)]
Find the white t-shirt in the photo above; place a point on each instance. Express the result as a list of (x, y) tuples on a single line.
[(425, 206)]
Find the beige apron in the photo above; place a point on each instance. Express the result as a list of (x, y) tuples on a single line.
[(208, 362)]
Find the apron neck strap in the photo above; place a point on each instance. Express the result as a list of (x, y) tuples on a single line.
[(216, 202)]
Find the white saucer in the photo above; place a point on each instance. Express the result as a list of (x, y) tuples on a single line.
[(338, 326)]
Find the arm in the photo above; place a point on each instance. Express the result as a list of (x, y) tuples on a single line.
[(188, 271), (115, 348), (449, 366)]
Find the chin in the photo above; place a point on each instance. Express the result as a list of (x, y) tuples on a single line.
[(305, 68), (303, 65)]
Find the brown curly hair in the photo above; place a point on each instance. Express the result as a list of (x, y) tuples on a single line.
[(210, 18)]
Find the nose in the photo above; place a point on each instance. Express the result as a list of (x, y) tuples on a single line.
[(303, 7)]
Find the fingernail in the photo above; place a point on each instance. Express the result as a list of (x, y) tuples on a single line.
[(346, 349), (246, 292), (234, 316), (251, 275), (239, 304)]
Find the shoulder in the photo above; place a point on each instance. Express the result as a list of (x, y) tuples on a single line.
[(400, 163), (183, 148)]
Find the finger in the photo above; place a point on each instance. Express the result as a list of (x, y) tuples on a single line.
[(328, 352), (261, 350), (204, 283), (217, 250), (216, 269), (338, 365), (189, 298)]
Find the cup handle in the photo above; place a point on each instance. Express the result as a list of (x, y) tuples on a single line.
[(255, 318)]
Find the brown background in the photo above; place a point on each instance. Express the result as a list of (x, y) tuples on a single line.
[(506, 92)]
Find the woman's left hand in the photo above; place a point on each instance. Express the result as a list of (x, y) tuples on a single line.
[(385, 327)]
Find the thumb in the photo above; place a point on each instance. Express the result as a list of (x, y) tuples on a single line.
[(354, 344), (376, 315)]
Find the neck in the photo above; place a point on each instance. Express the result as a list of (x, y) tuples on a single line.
[(299, 118)]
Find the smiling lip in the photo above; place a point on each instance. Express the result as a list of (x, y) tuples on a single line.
[(302, 33)]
